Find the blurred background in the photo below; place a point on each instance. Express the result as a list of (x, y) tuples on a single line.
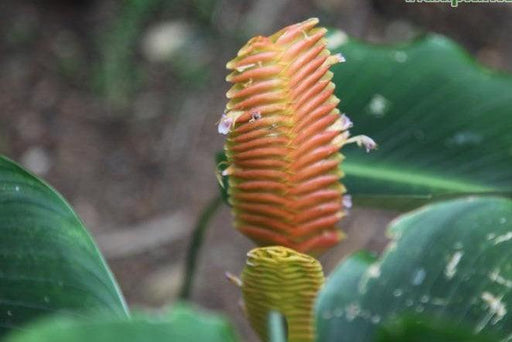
[(115, 103)]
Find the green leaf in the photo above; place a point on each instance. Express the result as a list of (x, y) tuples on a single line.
[(181, 324), (442, 122), (425, 329), (340, 288), (450, 261), (48, 261)]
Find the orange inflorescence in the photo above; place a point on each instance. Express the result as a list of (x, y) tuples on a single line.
[(284, 135)]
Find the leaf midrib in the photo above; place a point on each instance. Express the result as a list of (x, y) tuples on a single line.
[(412, 178)]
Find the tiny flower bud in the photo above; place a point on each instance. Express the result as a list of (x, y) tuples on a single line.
[(347, 201), (226, 172), (225, 124), (340, 58), (363, 140), (346, 123)]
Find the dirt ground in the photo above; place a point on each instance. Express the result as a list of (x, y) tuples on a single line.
[(117, 110)]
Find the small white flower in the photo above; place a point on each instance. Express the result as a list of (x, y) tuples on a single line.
[(368, 143), (227, 171), (225, 124), (363, 140), (347, 201), (346, 123), (340, 58)]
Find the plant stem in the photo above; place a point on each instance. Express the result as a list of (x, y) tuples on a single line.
[(276, 328), (195, 245)]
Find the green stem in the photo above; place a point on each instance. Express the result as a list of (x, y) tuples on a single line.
[(276, 327), (195, 246)]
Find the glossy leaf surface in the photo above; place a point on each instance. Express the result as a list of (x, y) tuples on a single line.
[(48, 260), (449, 261), (442, 121), (424, 329), (181, 324)]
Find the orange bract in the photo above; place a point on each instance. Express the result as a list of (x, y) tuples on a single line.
[(284, 134)]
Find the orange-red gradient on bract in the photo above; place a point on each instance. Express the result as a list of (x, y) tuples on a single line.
[(284, 133)]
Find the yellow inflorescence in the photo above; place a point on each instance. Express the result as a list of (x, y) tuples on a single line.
[(281, 279)]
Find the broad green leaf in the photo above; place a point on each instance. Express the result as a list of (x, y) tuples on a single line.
[(424, 329), (340, 288), (442, 121), (182, 324), (48, 260), (449, 261)]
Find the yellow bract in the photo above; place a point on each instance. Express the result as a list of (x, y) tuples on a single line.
[(281, 279)]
